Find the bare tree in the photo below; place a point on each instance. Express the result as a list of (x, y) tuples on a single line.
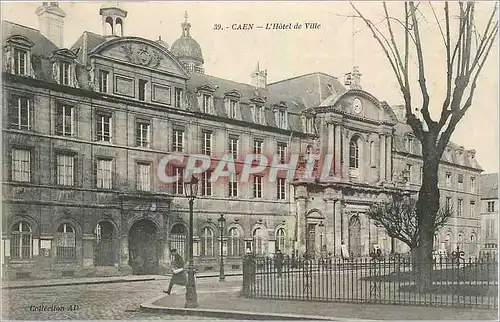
[(398, 217), (467, 49)]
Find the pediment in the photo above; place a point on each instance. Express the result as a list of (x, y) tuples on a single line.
[(20, 41), (140, 52), (233, 93), (206, 88), (363, 105), (258, 100), (63, 53)]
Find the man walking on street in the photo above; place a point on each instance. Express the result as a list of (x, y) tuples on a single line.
[(178, 273)]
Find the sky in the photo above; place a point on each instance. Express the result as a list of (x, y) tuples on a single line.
[(331, 49)]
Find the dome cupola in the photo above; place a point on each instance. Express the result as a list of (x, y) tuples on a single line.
[(187, 50)]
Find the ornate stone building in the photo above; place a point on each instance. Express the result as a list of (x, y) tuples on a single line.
[(85, 127)]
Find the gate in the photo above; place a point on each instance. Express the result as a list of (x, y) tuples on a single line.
[(105, 245), (178, 240)]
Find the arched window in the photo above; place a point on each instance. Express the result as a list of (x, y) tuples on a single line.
[(21, 241), (447, 243), (66, 243), (178, 239), (372, 153), (108, 28), (119, 27), (258, 241), (234, 242), (207, 242), (353, 153), (461, 241), (280, 239)]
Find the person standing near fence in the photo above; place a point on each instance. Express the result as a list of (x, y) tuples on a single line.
[(278, 262), (178, 274)]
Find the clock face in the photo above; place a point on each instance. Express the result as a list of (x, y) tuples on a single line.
[(357, 106)]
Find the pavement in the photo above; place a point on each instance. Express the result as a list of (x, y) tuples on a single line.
[(17, 284), (228, 304)]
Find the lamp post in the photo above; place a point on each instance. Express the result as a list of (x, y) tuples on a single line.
[(190, 190), (321, 225), (222, 223)]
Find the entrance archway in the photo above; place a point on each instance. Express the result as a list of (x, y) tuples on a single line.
[(178, 239), (106, 244), (143, 248), (355, 236)]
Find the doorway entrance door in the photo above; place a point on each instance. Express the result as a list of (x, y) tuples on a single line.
[(143, 248)]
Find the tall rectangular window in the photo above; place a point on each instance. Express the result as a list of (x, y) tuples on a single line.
[(233, 186), (233, 146), (491, 206), (143, 176), (282, 152), (21, 165), (472, 209), (20, 62), (103, 81), (64, 73), (461, 181), (143, 134), (104, 174), (20, 113), (65, 169), (206, 144), (178, 94), (206, 104), (178, 140), (103, 127), (257, 114), (142, 89), (448, 179), (460, 207), (448, 203), (65, 122), (309, 125), (408, 172), (281, 188), (282, 116), (409, 144), (232, 108), (257, 146), (472, 184), (206, 183), (257, 187), (179, 184)]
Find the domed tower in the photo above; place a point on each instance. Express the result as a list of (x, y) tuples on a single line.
[(112, 19), (187, 50)]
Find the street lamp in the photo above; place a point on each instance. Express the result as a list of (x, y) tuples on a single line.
[(222, 223), (190, 190), (321, 225)]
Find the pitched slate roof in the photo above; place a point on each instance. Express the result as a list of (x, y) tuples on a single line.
[(92, 41), (40, 51), (247, 92), (489, 186), (312, 88)]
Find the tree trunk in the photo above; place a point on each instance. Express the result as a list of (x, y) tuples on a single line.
[(427, 208)]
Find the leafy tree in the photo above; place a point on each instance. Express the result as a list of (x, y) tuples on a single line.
[(467, 42)]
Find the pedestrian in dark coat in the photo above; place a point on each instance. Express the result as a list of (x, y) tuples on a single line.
[(178, 275), (278, 262)]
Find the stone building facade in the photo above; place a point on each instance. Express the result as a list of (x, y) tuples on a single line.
[(84, 129), (489, 214)]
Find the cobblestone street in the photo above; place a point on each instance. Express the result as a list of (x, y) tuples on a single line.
[(117, 301)]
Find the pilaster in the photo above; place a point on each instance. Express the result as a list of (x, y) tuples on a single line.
[(330, 241), (337, 213), (388, 170), (382, 158)]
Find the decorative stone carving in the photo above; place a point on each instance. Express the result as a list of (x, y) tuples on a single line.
[(142, 55)]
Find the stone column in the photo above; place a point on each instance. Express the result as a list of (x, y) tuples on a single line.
[(88, 250), (124, 258), (329, 238), (337, 212), (345, 157), (337, 159), (388, 171), (331, 146), (382, 158), (345, 226), (301, 225)]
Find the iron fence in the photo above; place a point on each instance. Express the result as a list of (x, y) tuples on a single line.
[(452, 282)]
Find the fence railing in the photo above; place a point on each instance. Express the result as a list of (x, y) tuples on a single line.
[(452, 282)]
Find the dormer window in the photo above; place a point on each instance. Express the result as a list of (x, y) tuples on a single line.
[(281, 115), (308, 123), (232, 104), (409, 144), (63, 68), (206, 99), (258, 114), (18, 56)]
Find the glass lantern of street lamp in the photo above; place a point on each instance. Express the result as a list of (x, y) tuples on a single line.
[(222, 221), (191, 187), (321, 225)]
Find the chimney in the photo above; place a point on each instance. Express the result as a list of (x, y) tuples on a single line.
[(51, 22), (259, 77)]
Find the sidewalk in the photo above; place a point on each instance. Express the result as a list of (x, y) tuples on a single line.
[(227, 304), (16, 284)]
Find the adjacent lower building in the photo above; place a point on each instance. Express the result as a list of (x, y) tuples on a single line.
[(85, 130), (489, 215)]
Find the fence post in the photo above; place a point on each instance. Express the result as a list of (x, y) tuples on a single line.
[(247, 275)]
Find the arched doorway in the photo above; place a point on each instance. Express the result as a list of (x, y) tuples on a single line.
[(143, 247), (178, 239), (355, 236), (106, 245)]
